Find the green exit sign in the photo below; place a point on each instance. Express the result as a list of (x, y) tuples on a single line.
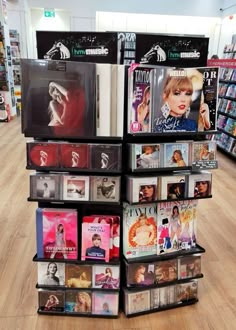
[(49, 13)]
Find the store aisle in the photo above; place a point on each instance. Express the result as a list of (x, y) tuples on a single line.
[(216, 308)]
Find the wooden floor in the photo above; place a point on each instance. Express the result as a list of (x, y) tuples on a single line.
[(216, 308)]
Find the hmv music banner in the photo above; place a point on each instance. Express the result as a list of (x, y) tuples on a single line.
[(175, 51), (93, 47)]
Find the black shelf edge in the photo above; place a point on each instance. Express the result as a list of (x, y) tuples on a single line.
[(162, 285), (226, 114), (227, 81), (164, 308), (79, 262), (160, 169), (226, 152), (82, 171), (169, 200), (154, 258), (87, 139), (77, 314), (227, 133), (65, 288), (227, 98), (58, 201)]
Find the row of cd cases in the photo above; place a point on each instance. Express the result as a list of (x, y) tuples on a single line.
[(65, 187)]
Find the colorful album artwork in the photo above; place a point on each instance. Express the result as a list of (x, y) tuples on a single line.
[(57, 233), (74, 155), (105, 303), (139, 274), (78, 301), (176, 154), (78, 276), (189, 266), (145, 156), (137, 302), (166, 271), (51, 301), (43, 155), (106, 277), (203, 151), (200, 185), (187, 291), (51, 273)]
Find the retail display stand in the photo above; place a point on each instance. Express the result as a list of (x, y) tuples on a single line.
[(79, 195)]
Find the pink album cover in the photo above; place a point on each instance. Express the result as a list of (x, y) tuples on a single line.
[(59, 227), (74, 155), (105, 303), (95, 241), (42, 154)]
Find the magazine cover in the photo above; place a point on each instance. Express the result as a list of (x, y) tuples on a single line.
[(42, 154), (208, 108), (142, 190), (166, 271), (139, 274), (189, 266), (106, 189), (139, 230), (105, 303), (154, 298), (145, 156), (51, 273), (176, 226), (78, 301), (56, 233), (187, 291), (200, 185), (95, 241), (106, 277), (176, 154), (137, 301), (176, 99), (75, 188), (58, 98), (203, 151), (139, 93), (45, 186), (78, 276), (74, 155), (173, 187), (51, 301), (105, 157)]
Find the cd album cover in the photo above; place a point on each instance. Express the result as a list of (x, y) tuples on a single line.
[(93, 47), (78, 276), (51, 273), (42, 154), (187, 291), (166, 271), (106, 157), (51, 301), (200, 185), (173, 187), (139, 97), (145, 156), (139, 230), (95, 241), (167, 295), (56, 233), (78, 301), (203, 151), (176, 101), (155, 298), (105, 303), (189, 266), (75, 188), (176, 154), (58, 99), (142, 190), (106, 277), (74, 155), (139, 274), (137, 302), (105, 189), (166, 50), (45, 186)]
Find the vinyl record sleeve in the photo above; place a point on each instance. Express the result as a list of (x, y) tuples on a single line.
[(58, 99)]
